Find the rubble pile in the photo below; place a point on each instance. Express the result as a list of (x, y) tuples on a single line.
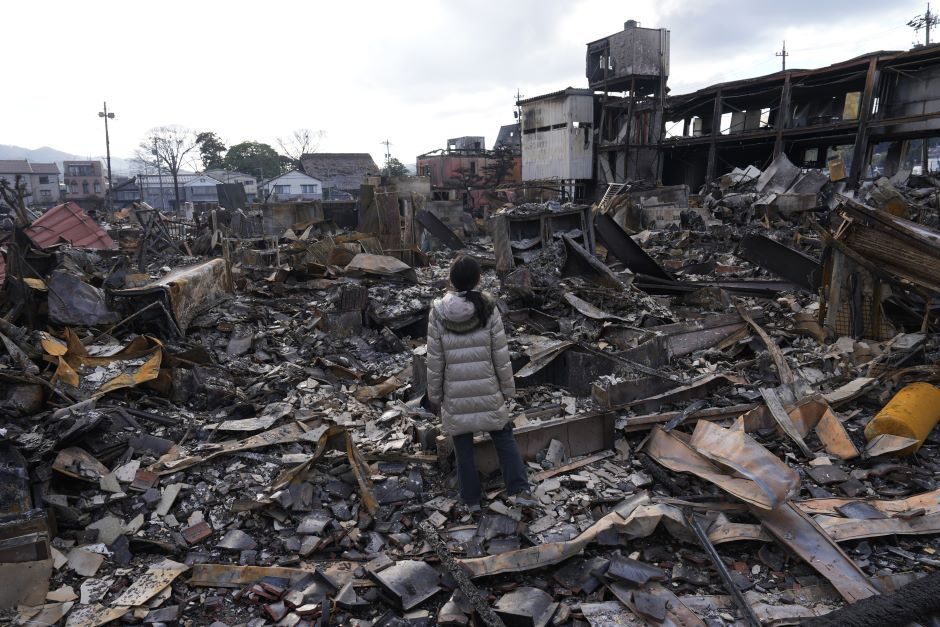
[(728, 419)]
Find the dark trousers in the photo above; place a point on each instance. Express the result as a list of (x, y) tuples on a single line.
[(510, 462)]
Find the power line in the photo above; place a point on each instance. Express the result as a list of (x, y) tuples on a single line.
[(924, 21)]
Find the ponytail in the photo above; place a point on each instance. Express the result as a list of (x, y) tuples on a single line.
[(476, 298), (464, 276)]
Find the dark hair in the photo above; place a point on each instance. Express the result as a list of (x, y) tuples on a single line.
[(464, 276)]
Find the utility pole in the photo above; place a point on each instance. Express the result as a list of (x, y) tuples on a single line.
[(388, 154), (156, 156), (925, 21), (107, 144), (783, 54)]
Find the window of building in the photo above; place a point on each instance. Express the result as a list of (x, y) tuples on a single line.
[(427, 170), (97, 187), (309, 189), (473, 167), (912, 157), (43, 180), (84, 187), (45, 194), (81, 170), (282, 189), (73, 187)]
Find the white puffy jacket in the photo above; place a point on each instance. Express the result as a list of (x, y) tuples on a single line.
[(469, 373)]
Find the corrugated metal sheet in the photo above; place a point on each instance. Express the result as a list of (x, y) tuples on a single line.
[(68, 223)]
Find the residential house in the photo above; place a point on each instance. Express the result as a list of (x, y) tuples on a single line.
[(293, 185), (341, 173), (201, 188), (249, 182), (42, 180), (157, 189), (85, 183)]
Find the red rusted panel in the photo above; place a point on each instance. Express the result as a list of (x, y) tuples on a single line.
[(68, 223)]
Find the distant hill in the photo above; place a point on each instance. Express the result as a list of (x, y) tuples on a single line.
[(51, 155)]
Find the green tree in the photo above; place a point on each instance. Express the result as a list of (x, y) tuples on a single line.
[(255, 158), (211, 150), (394, 167)]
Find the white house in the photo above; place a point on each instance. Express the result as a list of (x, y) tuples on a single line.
[(294, 185), (229, 176), (201, 188)]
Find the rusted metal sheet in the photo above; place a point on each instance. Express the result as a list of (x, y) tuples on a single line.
[(439, 230), (184, 293), (553, 552), (625, 249), (68, 223), (783, 261), (677, 455), (927, 501), (807, 539)]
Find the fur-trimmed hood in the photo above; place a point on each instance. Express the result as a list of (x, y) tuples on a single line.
[(458, 315)]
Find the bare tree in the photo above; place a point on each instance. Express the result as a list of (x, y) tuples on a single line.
[(303, 141), (169, 147)]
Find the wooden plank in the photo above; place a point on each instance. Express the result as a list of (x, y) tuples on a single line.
[(641, 423), (547, 474)]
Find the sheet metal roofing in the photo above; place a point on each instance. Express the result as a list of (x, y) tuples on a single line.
[(68, 223)]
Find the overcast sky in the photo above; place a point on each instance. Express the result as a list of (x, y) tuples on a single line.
[(413, 73)]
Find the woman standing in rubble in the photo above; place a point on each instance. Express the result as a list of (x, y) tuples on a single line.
[(470, 380)]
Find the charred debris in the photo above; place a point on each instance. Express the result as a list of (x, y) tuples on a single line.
[(727, 411)]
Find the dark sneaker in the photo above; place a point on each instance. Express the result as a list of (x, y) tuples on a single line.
[(523, 499)]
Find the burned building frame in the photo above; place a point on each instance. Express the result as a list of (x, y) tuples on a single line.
[(872, 115)]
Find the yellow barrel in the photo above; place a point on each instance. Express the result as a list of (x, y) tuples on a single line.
[(912, 413)]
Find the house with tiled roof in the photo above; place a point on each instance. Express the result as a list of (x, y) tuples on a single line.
[(42, 180), (341, 173)]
